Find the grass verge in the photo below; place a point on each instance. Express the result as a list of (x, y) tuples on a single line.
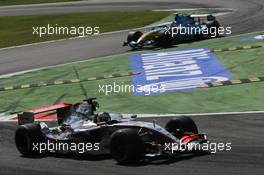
[(18, 30), (242, 64)]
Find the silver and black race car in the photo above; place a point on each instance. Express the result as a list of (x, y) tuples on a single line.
[(127, 139)]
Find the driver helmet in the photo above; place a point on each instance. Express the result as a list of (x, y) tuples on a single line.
[(103, 117)]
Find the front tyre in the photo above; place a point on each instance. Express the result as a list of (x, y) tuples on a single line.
[(164, 39), (126, 146), (134, 36), (26, 137)]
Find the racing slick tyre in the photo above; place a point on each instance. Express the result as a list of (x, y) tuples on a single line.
[(134, 36), (126, 146), (181, 125), (26, 137), (213, 29), (164, 39)]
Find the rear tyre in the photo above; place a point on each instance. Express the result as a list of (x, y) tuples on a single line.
[(181, 125), (213, 29), (126, 146), (134, 36), (26, 137)]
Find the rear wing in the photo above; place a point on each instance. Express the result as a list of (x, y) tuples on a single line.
[(58, 111), (200, 15), (203, 17)]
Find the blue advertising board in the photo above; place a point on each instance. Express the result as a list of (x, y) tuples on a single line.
[(258, 37), (175, 71)]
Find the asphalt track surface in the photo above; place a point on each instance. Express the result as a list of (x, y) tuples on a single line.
[(83, 6), (245, 132), (247, 17)]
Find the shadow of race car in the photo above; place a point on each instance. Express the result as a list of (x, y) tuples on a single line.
[(127, 139), (185, 28)]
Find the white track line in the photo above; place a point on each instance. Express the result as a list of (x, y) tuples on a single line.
[(194, 115), (56, 65), (194, 9), (71, 38), (8, 118), (43, 4)]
